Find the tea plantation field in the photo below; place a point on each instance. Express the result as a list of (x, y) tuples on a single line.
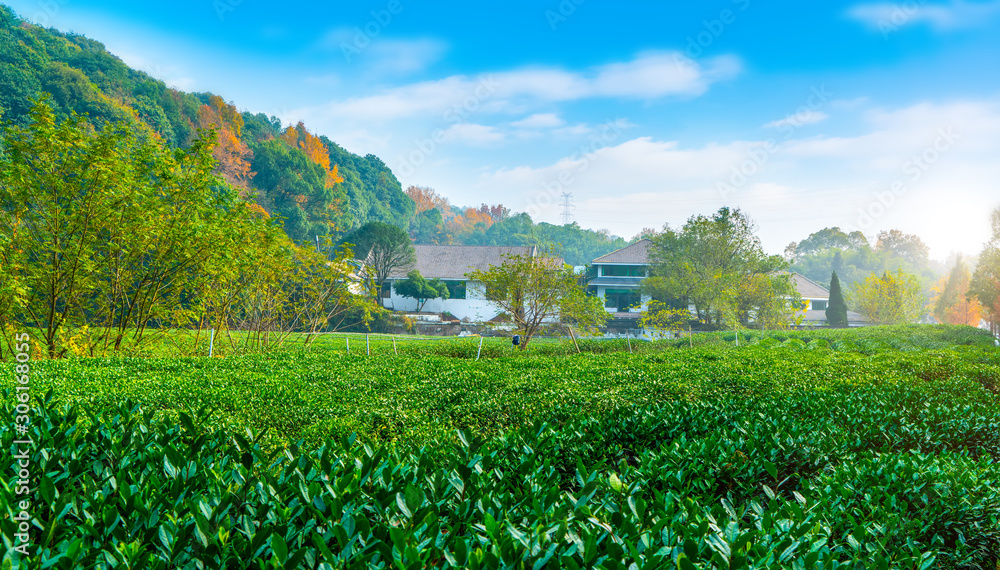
[(840, 449)]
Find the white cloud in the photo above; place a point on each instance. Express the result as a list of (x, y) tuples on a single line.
[(472, 134), (942, 155), (539, 121), (657, 74), (383, 56), (804, 117), (651, 75), (406, 56), (577, 130), (941, 16)]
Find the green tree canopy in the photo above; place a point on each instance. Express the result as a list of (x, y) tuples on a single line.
[(717, 264), (108, 228), (891, 299), (533, 291), (417, 287)]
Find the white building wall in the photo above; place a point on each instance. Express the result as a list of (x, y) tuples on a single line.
[(645, 299), (474, 307)]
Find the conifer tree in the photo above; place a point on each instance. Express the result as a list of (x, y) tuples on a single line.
[(836, 310)]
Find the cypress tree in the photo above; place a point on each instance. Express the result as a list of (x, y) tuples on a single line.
[(836, 309)]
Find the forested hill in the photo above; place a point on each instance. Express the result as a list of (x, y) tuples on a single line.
[(316, 186), (311, 181)]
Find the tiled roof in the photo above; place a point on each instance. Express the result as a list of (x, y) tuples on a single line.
[(454, 261), (637, 253), (809, 289)]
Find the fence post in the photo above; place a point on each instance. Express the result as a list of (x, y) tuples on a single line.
[(737, 338), (211, 343), (368, 348), (629, 341), (394, 346), (348, 339), (480, 351), (690, 340), (573, 336)]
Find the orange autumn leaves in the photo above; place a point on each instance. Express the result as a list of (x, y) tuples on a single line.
[(455, 222), (233, 155), (298, 137), (952, 303)]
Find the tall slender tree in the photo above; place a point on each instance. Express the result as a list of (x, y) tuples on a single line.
[(836, 310)]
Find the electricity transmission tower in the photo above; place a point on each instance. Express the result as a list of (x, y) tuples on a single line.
[(567, 208)]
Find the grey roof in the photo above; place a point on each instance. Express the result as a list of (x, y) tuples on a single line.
[(616, 281), (809, 289), (454, 261), (637, 253)]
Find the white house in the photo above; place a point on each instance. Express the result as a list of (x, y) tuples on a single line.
[(451, 263), (619, 274)]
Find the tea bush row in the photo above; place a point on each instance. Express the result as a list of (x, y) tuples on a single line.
[(800, 480)]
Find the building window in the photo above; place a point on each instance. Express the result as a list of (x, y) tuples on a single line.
[(624, 270), (621, 299), (456, 288), (819, 305)]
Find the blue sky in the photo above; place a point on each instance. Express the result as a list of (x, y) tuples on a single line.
[(862, 115)]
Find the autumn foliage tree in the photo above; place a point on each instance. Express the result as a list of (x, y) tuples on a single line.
[(427, 198), (231, 154), (985, 283), (298, 137), (952, 303)]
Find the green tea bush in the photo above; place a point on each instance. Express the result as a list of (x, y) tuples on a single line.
[(765, 456), (126, 491)]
